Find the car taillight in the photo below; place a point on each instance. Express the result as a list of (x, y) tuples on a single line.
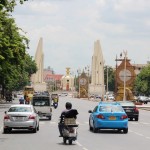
[(6, 117), (124, 117), (31, 117), (136, 109), (100, 116)]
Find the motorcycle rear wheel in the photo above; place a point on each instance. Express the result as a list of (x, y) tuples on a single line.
[(65, 140)]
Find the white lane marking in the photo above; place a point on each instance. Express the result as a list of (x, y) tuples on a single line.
[(130, 131), (145, 123), (134, 123), (78, 143), (139, 134), (84, 148), (81, 145)]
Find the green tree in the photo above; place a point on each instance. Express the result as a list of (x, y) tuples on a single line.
[(142, 82), (111, 78), (16, 65), (10, 4)]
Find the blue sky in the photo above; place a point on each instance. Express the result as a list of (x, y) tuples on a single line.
[(70, 27)]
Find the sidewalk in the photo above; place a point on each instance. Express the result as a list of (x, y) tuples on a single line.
[(2, 101)]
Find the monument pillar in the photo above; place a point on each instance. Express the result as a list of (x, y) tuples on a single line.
[(39, 59), (97, 70)]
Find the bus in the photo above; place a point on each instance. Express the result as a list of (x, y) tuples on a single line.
[(28, 91)]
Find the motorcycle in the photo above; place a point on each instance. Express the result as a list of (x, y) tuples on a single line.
[(55, 105), (69, 131), (21, 102)]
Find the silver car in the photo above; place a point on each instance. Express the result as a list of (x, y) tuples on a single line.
[(21, 117)]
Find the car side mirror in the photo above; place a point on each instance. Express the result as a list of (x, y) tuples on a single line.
[(5, 112), (90, 111)]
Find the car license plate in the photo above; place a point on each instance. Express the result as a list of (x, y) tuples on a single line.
[(128, 110), (112, 118), (18, 118)]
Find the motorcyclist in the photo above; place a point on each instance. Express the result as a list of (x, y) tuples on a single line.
[(27, 100), (21, 100), (63, 114), (55, 100)]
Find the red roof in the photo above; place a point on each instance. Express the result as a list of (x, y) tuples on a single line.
[(53, 77)]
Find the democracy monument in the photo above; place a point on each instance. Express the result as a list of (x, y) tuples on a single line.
[(97, 86)]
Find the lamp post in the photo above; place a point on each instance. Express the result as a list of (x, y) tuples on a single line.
[(107, 79), (125, 58), (79, 72), (88, 75)]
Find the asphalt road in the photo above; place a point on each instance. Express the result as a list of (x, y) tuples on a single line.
[(138, 137)]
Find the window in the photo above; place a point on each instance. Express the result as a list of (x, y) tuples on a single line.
[(110, 108), (41, 102), (95, 109), (20, 109)]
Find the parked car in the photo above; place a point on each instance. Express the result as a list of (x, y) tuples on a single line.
[(130, 109), (64, 94), (108, 115), (21, 117), (143, 99), (111, 97)]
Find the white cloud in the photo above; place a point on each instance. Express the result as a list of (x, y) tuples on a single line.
[(70, 27), (43, 7), (131, 5)]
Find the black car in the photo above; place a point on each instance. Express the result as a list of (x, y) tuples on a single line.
[(143, 99), (130, 109)]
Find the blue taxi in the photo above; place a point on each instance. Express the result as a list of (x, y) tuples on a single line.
[(108, 115)]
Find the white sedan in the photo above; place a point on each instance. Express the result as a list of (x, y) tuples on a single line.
[(21, 117)]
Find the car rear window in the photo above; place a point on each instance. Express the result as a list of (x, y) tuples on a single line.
[(20, 109), (127, 104), (111, 108), (41, 102)]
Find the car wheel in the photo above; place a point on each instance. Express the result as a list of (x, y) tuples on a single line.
[(70, 142), (5, 131), (35, 130), (90, 128), (50, 118), (136, 119), (125, 130), (95, 130), (38, 128)]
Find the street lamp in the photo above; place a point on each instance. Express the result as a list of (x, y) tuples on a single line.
[(107, 79), (125, 58), (88, 75), (79, 73)]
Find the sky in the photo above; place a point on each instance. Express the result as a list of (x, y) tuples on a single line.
[(69, 29)]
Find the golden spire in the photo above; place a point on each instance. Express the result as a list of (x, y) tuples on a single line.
[(67, 71)]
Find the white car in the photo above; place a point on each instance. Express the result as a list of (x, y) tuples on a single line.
[(111, 97), (64, 94), (21, 117)]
